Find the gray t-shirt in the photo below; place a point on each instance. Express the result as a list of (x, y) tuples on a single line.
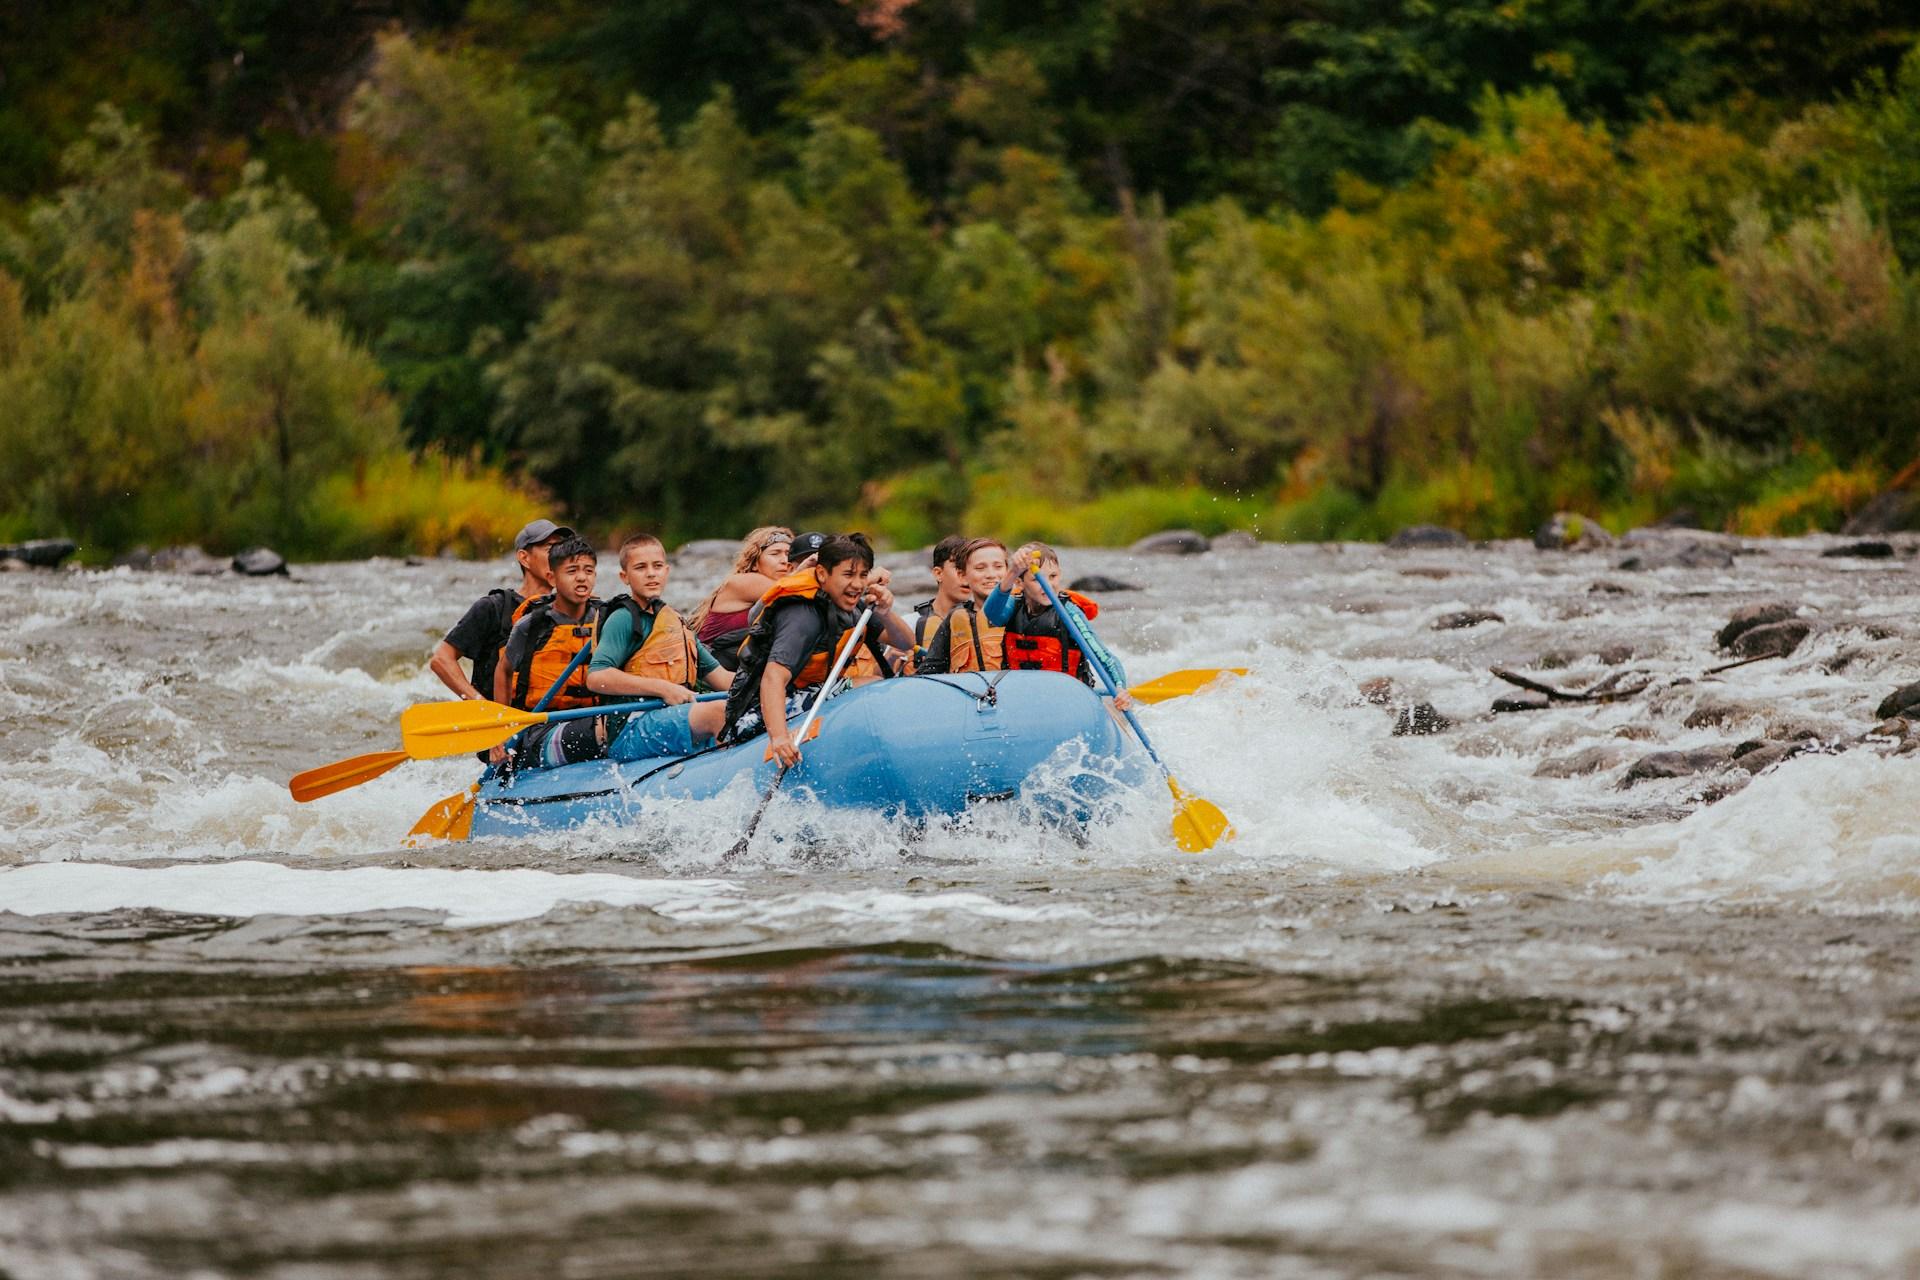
[(796, 634)]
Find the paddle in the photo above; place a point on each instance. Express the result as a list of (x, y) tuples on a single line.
[(341, 774), (1178, 684), (1197, 823), (429, 730), (858, 635), (452, 818)]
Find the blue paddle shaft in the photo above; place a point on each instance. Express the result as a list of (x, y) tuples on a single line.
[(613, 708), (1086, 655)]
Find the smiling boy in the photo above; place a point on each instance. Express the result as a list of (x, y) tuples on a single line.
[(798, 629)]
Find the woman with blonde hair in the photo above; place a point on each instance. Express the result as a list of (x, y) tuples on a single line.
[(721, 620)]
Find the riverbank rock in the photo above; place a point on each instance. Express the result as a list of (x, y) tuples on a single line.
[(1580, 763), (1860, 551), (1171, 542), (39, 553), (1235, 540), (260, 562), (1774, 640), (1893, 510), (190, 559), (1676, 553), (1569, 531), (1378, 690), (1755, 756), (1900, 702), (140, 558), (1420, 720), (1099, 584), (1676, 764), (1465, 618), (1426, 535), (1750, 616)]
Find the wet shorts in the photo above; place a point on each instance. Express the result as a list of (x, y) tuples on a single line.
[(650, 734)]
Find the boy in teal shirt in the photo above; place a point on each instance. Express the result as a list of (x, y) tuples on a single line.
[(646, 650)]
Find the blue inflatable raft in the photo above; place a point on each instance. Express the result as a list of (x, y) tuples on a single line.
[(920, 747)]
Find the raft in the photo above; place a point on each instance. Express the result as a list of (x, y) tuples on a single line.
[(917, 747)]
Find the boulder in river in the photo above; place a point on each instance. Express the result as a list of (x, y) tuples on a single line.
[(1676, 764), (1773, 640), (1523, 701), (1750, 616), (1757, 756), (1892, 510), (1568, 531), (260, 562), (1099, 584), (1677, 553), (1898, 703), (1419, 720), (1465, 618), (39, 553), (1860, 551), (1171, 542), (1378, 690), (1426, 535), (188, 559)]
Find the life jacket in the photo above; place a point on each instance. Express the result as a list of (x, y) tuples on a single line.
[(924, 627), (834, 636), (552, 643), (973, 643), (669, 652), (1051, 650), (488, 656)]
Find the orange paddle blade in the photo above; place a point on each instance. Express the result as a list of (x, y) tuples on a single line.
[(451, 819), (1178, 684), (341, 774)]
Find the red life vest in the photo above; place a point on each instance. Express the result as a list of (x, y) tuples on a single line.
[(1025, 652)]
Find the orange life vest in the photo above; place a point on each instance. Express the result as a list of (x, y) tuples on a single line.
[(553, 643), (669, 652), (1027, 652), (799, 585), (968, 634)]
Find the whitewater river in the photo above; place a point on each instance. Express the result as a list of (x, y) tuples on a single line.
[(1431, 1014)]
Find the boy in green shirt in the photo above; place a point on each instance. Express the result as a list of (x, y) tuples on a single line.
[(646, 650)]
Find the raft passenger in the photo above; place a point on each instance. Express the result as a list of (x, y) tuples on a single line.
[(551, 632), (646, 650), (966, 641), (720, 621), (799, 628), (1035, 638), (483, 629), (949, 592)]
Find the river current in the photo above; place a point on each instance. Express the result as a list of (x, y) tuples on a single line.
[(1470, 1003)]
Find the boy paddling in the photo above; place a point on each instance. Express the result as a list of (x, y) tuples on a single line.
[(799, 628), (646, 650), (1035, 638), (482, 631)]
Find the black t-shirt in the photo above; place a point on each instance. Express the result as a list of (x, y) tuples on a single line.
[(482, 632), (796, 634)]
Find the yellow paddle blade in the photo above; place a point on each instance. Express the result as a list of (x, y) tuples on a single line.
[(341, 774), (1198, 824), (1178, 684), (451, 819), (429, 730)]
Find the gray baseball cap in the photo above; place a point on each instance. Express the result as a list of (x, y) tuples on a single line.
[(538, 532)]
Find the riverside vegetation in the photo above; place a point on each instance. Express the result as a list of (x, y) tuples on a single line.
[(351, 281)]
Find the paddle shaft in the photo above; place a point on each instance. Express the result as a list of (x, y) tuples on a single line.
[(839, 664), (1086, 655)]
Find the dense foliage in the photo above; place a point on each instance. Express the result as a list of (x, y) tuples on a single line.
[(319, 272)]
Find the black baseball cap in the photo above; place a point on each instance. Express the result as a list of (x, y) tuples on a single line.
[(807, 544), (538, 532)]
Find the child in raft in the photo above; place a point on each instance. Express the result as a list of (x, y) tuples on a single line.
[(949, 592), (647, 650), (551, 633), (964, 640), (799, 629), (1035, 638)]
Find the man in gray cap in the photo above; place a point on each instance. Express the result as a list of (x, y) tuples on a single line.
[(482, 631)]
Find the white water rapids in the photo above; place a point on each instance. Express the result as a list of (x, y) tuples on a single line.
[(1432, 1011)]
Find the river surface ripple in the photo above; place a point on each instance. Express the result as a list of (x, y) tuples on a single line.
[(1431, 1014)]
